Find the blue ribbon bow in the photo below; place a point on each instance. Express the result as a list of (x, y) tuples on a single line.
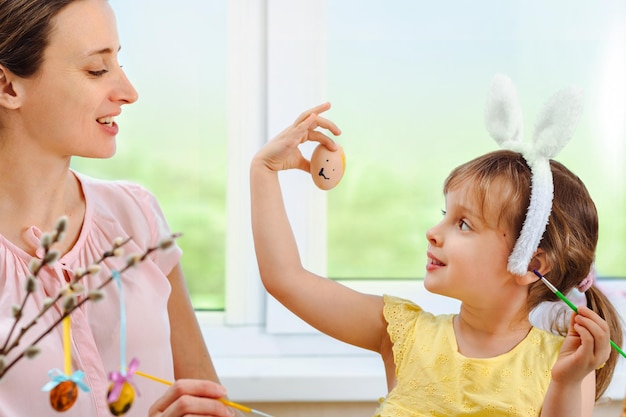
[(57, 377)]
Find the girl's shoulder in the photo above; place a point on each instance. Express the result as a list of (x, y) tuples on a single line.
[(404, 315), (540, 338), (402, 308)]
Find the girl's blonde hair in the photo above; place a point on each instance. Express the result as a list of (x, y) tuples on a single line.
[(570, 238)]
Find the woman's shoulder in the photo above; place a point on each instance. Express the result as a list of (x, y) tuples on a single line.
[(118, 197), (126, 205), (103, 189)]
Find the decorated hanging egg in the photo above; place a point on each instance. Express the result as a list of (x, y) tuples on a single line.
[(121, 406), (63, 396), (327, 166)]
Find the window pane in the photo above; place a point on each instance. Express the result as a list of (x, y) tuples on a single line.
[(408, 81), (173, 140)]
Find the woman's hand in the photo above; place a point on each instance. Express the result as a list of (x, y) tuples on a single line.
[(192, 397), (282, 152), (586, 347)]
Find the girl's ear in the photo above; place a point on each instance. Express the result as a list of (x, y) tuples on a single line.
[(538, 262), (9, 93)]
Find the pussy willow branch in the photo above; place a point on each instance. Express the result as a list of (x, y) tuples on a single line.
[(55, 237), (131, 261), (48, 305)]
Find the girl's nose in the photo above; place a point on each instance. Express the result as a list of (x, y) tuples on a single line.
[(433, 235)]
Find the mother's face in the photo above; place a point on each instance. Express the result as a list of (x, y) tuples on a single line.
[(68, 107)]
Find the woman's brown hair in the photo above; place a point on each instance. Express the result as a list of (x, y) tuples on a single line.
[(24, 32)]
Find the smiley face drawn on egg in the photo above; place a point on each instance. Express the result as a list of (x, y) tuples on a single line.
[(327, 167)]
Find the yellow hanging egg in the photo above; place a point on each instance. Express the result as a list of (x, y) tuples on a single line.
[(125, 400), (63, 396)]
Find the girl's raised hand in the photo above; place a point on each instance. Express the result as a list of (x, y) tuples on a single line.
[(282, 152)]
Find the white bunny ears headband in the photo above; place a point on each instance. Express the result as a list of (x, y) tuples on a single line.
[(553, 130)]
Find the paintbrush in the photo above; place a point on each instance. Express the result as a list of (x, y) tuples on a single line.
[(570, 304), (222, 400)]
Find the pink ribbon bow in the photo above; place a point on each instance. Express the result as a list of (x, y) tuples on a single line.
[(118, 379)]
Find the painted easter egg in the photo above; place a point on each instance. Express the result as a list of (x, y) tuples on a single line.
[(63, 396), (125, 400), (327, 166)]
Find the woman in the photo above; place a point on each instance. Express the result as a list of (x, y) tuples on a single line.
[(61, 88)]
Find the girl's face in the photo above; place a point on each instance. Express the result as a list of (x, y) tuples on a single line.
[(70, 104), (468, 252)]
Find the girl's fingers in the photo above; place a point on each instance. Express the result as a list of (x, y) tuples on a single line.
[(327, 124), (311, 119), (592, 321), (594, 332), (320, 137), (320, 108), (283, 152)]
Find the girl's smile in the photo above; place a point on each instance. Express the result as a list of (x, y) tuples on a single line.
[(433, 263)]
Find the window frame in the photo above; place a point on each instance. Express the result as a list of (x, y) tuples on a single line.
[(257, 103), (261, 103)]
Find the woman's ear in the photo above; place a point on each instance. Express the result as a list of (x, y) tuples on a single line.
[(540, 263), (9, 97)]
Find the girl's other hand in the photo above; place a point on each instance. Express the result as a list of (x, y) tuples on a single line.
[(282, 152), (586, 346)]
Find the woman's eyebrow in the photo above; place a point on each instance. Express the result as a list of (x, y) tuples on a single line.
[(103, 51)]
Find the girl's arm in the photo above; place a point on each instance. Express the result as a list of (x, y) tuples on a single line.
[(332, 308), (570, 399)]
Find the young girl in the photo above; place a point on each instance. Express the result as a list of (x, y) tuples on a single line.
[(488, 359)]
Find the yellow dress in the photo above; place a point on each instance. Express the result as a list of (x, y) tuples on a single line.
[(433, 379)]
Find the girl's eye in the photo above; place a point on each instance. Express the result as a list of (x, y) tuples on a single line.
[(443, 212), (98, 73), (464, 226)]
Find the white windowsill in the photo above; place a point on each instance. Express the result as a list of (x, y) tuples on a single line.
[(257, 366), (260, 367)]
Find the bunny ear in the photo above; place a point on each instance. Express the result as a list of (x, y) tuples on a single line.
[(554, 128), (503, 114), (557, 121)]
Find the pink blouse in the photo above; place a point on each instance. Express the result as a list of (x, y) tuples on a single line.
[(113, 209)]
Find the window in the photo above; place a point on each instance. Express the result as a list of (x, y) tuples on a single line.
[(408, 80), (174, 139)]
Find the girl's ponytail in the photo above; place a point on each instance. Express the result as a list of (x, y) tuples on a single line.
[(598, 302)]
